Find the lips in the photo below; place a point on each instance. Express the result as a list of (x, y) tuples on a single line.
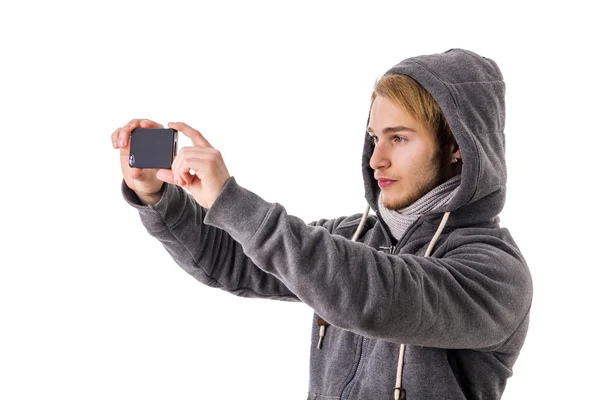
[(384, 182)]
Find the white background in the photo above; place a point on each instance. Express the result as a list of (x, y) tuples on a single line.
[(91, 307)]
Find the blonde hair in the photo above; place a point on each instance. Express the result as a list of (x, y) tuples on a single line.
[(411, 97)]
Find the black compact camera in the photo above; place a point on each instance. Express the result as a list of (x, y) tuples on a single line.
[(152, 148)]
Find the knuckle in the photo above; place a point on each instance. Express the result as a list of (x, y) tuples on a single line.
[(215, 154), (149, 121), (134, 123)]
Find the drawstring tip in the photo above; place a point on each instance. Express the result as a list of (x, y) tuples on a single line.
[(322, 325), (399, 394)]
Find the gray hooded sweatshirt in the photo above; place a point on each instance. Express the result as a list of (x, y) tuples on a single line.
[(462, 312)]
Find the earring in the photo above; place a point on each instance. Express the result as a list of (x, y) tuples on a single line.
[(454, 160)]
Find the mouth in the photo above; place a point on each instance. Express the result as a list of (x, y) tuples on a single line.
[(384, 182)]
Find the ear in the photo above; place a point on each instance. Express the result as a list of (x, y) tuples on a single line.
[(457, 155), (456, 152)]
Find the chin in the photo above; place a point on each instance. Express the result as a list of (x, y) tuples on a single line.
[(396, 203), (403, 200)]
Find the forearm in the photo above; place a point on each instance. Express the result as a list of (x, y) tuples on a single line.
[(207, 253)]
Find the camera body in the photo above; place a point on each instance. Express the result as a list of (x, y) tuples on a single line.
[(152, 148)]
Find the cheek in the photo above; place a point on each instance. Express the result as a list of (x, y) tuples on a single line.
[(412, 158)]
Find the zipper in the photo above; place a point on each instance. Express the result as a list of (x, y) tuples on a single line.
[(348, 385), (388, 236), (400, 392), (391, 249)]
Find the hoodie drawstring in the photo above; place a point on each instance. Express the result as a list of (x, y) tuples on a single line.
[(399, 392), (361, 224), (321, 322)]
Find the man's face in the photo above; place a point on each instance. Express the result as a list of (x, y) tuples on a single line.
[(405, 159)]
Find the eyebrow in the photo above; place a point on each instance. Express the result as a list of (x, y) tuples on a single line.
[(393, 129)]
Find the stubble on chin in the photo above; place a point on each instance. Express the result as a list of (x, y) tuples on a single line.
[(405, 198), (426, 181)]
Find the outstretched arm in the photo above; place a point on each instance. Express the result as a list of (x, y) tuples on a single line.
[(474, 297), (176, 220), (207, 253)]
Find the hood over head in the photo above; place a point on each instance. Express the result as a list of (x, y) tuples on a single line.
[(470, 91)]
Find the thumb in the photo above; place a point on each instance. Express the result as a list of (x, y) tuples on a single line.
[(166, 175)]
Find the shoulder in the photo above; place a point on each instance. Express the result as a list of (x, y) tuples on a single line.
[(495, 238), (489, 253)]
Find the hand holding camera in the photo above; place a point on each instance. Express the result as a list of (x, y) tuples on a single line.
[(143, 181), (149, 157)]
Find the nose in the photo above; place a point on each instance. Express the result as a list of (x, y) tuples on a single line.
[(379, 159)]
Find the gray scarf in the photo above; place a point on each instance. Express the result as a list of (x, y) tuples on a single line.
[(399, 220)]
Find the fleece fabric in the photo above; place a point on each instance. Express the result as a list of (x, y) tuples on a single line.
[(463, 312)]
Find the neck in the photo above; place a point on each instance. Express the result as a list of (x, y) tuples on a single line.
[(400, 220)]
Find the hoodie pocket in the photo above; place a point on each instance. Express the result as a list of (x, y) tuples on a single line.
[(334, 364)]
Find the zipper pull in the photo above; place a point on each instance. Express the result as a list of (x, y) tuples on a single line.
[(322, 327), (390, 249)]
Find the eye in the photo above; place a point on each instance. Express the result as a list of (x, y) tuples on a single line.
[(399, 139), (373, 140)]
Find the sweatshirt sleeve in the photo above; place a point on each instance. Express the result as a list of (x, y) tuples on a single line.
[(475, 297), (207, 253)]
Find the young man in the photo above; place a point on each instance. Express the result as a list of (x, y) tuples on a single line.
[(427, 299)]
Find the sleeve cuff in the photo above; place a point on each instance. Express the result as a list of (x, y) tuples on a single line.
[(170, 200), (238, 211)]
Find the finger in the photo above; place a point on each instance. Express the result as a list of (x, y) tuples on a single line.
[(125, 133), (115, 137), (146, 123), (180, 173), (195, 135), (166, 175), (138, 121), (178, 168), (182, 165), (195, 162), (174, 166)]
